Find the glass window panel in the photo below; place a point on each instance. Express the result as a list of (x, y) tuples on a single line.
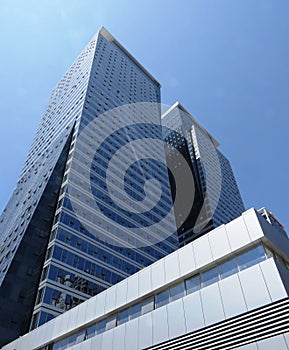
[(100, 327), (193, 284), (122, 317), (135, 311), (91, 331), (228, 268), (110, 322), (147, 305), (209, 277), (162, 298), (251, 257), (177, 291)]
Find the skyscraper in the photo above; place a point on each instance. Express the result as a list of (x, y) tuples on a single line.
[(75, 224), (216, 197)]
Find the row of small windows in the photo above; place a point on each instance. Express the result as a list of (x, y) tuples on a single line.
[(227, 268)]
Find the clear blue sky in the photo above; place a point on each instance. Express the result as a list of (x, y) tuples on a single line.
[(226, 61)]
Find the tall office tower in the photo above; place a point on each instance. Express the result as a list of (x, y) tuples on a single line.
[(216, 197), (75, 225)]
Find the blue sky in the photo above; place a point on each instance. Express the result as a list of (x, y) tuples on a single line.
[(226, 61)]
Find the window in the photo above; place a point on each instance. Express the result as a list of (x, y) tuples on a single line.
[(251, 257), (177, 291), (162, 298), (209, 277), (135, 311), (193, 284), (228, 268), (147, 305)]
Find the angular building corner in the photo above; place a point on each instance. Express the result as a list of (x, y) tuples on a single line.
[(83, 239)]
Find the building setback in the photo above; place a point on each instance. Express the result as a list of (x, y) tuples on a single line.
[(225, 290)]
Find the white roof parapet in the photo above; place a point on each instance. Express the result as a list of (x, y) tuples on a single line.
[(105, 33), (178, 105)]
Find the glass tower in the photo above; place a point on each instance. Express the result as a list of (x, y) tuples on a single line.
[(81, 217), (216, 197)]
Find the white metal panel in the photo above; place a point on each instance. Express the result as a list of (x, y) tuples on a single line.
[(100, 303), (118, 338), (275, 343), (107, 339), (252, 224), (81, 315), (212, 304), (160, 325), (202, 251), (61, 324), (286, 337), (273, 280), (172, 269), (145, 331), (144, 280), (87, 345), (90, 310), (132, 287), (158, 274), (96, 342), (176, 318), (110, 299), (193, 312), (237, 233), (131, 334), (219, 242), (186, 259), (232, 296), (253, 285), (121, 293)]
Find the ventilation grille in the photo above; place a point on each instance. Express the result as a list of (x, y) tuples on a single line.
[(252, 326)]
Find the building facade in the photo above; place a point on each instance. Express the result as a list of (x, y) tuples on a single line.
[(65, 235), (225, 290), (217, 199)]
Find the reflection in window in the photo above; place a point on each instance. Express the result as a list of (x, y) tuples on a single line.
[(228, 268), (147, 305), (162, 298), (251, 257), (210, 276), (177, 291), (193, 284)]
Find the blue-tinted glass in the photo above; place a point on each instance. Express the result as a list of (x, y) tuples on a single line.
[(110, 322), (177, 291), (228, 268), (100, 327), (135, 311), (91, 331), (147, 305), (193, 284), (209, 277), (162, 298), (251, 257), (122, 317)]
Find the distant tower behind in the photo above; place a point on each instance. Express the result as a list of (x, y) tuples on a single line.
[(217, 199)]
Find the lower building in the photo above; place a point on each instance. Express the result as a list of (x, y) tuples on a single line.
[(225, 290)]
